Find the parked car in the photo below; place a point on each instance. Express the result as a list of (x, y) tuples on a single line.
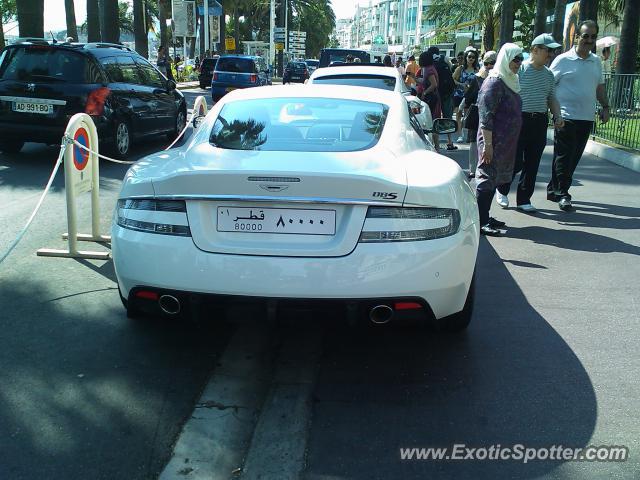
[(376, 76), (206, 71), (312, 64), (43, 84), (319, 195), (339, 55), (238, 71), (295, 72)]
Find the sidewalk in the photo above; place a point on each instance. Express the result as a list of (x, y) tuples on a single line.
[(187, 85)]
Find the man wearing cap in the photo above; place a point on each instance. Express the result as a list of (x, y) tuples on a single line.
[(537, 90), (579, 82)]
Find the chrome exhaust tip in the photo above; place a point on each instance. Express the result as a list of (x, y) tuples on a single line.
[(381, 314), (169, 304)]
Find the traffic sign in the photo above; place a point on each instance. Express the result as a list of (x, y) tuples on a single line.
[(230, 43), (80, 156), (279, 46)]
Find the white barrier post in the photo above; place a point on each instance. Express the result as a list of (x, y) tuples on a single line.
[(81, 175), (200, 109)]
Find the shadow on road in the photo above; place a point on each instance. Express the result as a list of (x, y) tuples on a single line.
[(511, 379)]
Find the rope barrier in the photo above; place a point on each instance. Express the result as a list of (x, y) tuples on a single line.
[(66, 141), (63, 148)]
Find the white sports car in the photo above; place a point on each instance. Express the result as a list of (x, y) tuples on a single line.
[(294, 193), (385, 78)]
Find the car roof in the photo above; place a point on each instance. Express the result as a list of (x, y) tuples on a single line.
[(347, 92), (97, 49), (357, 70), (233, 55)]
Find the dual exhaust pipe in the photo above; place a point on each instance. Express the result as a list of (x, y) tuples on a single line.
[(380, 314)]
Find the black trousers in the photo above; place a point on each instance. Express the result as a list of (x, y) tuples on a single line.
[(567, 151), (531, 143)]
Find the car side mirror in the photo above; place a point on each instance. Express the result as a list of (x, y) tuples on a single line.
[(171, 86), (444, 125)]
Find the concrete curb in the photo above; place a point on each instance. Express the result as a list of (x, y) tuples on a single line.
[(614, 155), (187, 85)]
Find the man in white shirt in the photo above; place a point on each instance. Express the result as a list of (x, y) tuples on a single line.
[(579, 82)]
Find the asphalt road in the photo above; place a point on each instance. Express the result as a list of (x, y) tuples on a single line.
[(550, 356)]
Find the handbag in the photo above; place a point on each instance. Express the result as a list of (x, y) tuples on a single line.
[(472, 118)]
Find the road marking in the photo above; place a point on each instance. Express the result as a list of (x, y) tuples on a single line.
[(214, 439), (279, 443)]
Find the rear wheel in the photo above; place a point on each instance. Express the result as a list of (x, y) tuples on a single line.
[(121, 139), (460, 321), (11, 146)]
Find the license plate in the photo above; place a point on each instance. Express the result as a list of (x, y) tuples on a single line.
[(28, 107), (295, 77), (276, 220)]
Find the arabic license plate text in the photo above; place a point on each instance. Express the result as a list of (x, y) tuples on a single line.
[(276, 220), (28, 107)]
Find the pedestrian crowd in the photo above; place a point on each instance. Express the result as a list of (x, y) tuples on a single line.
[(502, 102)]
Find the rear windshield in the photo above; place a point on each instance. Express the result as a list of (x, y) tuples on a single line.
[(312, 63), (299, 125), (330, 56), (237, 65), (42, 64), (298, 65), (371, 81), (209, 62)]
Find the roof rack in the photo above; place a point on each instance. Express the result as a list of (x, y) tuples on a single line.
[(107, 45)]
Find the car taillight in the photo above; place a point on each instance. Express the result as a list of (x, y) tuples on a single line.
[(215, 76), (95, 101), (253, 78), (402, 224), (165, 217)]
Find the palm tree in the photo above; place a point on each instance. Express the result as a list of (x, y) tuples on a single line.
[(629, 37), (110, 23), (449, 13), (589, 10), (558, 20), (72, 29), (506, 22), (30, 18), (541, 17), (93, 21), (164, 14), (140, 28)]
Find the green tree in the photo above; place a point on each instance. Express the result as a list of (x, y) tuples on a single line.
[(8, 13), (72, 29), (449, 13), (30, 18)]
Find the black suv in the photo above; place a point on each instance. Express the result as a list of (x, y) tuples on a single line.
[(207, 67), (339, 55), (295, 72), (43, 84)]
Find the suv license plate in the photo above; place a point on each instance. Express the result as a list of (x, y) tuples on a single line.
[(276, 220), (28, 107)]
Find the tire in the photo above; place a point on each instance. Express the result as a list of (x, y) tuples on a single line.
[(11, 146), (122, 139), (180, 123), (458, 322)]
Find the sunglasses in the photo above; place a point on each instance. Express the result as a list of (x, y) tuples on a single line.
[(489, 63), (518, 59), (585, 36), (471, 57)]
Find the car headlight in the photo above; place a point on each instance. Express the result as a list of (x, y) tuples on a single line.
[(164, 217), (407, 224)]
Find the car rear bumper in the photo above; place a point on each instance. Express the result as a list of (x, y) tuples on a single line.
[(438, 272), (220, 89)]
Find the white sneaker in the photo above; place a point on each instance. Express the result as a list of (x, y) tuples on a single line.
[(528, 208), (502, 200)]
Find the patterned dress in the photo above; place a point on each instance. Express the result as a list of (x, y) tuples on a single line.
[(500, 110)]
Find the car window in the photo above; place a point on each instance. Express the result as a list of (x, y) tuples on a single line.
[(312, 63), (235, 64), (129, 70), (42, 63), (150, 76), (112, 68), (299, 124), (359, 80)]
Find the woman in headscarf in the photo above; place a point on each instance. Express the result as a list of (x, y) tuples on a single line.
[(500, 115), (470, 106)]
